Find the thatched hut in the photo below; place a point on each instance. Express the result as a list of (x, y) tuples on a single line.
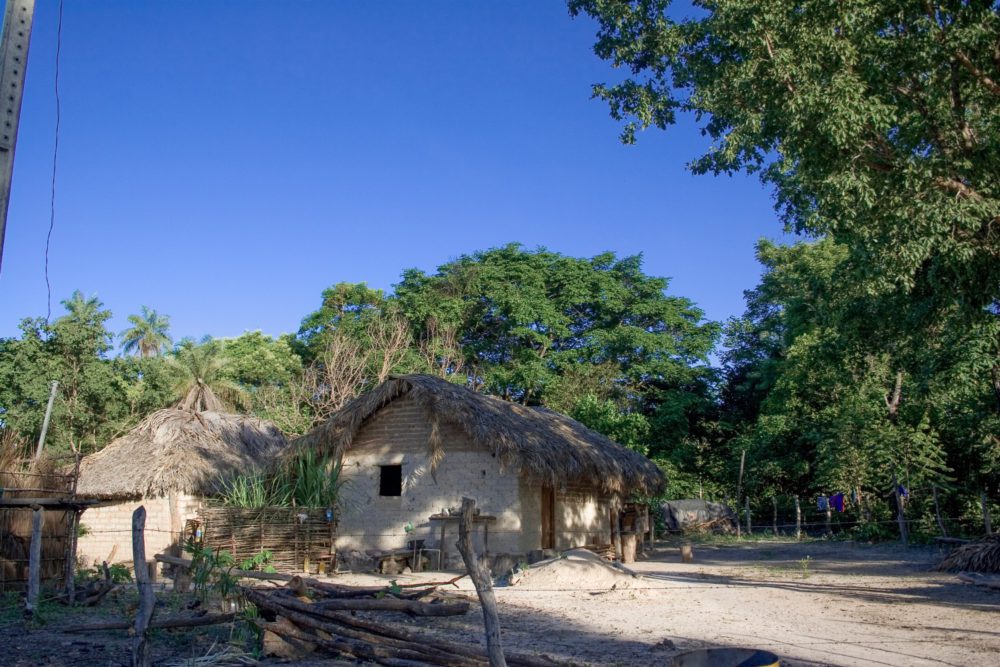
[(169, 462), (415, 445)]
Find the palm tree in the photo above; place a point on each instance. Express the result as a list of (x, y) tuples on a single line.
[(148, 335), (201, 383), (81, 308)]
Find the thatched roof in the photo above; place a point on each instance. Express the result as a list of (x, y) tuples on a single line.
[(179, 450), (545, 444)]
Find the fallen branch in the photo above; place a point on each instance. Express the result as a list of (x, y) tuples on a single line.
[(162, 624), (414, 607), (980, 579), (286, 606)]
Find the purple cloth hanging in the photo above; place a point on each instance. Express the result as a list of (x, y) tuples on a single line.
[(837, 502)]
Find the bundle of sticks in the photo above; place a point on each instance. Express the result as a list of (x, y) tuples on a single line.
[(313, 615)]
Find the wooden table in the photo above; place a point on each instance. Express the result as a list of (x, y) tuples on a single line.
[(445, 519)]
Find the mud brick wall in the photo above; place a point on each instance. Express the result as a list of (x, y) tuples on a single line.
[(582, 516), (110, 526), (400, 434)]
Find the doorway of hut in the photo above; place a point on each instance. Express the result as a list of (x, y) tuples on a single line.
[(548, 517)]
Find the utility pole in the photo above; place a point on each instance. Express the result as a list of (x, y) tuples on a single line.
[(48, 415), (17, 19)]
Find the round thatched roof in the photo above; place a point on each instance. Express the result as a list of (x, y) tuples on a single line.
[(548, 445), (179, 450)]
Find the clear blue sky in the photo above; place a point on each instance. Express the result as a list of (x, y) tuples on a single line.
[(224, 162)]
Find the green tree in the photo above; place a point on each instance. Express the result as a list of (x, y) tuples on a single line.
[(147, 337), (521, 324), (201, 383), (345, 308), (877, 122), (97, 398), (256, 360), (830, 409)]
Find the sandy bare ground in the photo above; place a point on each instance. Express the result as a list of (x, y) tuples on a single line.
[(817, 603)]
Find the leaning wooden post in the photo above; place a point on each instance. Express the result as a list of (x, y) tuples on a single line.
[(798, 518), (142, 652), (774, 515), (34, 560), (987, 524), (484, 586)]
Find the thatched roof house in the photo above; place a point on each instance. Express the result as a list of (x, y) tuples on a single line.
[(168, 463), (416, 443), (179, 450), (551, 447)]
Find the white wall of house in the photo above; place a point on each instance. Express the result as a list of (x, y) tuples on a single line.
[(400, 434), (108, 528), (582, 516)]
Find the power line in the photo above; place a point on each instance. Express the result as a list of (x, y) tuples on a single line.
[(55, 156)]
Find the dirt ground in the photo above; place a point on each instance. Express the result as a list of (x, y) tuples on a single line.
[(814, 603)]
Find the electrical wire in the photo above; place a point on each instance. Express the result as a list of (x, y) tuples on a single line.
[(55, 157)]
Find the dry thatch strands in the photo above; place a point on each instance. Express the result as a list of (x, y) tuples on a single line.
[(550, 446), (980, 556)]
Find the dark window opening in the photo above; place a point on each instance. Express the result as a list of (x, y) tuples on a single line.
[(390, 482)]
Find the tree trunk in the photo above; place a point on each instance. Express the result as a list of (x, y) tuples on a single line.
[(142, 651), (483, 584)]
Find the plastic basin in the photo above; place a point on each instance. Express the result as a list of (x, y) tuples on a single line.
[(726, 657)]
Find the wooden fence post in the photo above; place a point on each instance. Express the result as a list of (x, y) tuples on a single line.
[(749, 526), (987, 524), (774, 516), (798, 519), (142, 652), (900, 516), (739, 490), (484, 585), (937, 514), (616, 532), (34, 561)]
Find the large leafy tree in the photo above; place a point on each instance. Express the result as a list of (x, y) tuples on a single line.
[(819, 407), (876, 121), (148, 336), (526, 322)]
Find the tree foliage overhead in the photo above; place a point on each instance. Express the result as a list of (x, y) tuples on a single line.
[(522, 323), (876, 121)]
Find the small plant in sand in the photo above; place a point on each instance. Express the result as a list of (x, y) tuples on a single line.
[(804, 566)]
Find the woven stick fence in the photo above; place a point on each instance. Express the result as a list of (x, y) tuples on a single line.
[(299, 539), (15, 526)]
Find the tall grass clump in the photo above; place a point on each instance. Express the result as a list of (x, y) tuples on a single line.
[(302, 479), (252, 491)]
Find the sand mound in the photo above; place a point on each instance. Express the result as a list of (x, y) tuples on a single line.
[(576, 569)]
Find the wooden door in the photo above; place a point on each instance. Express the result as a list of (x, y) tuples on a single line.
[(548, 517)]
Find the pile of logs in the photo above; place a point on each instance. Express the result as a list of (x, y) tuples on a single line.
[(308, 615)]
